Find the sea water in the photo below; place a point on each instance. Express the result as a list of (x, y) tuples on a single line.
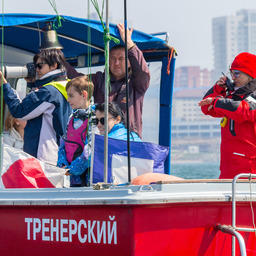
[(196, 170)]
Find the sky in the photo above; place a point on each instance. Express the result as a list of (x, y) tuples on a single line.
[(187, 22)]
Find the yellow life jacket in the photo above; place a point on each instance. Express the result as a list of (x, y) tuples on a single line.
[(60, 86)]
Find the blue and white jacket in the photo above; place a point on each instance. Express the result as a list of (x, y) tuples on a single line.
[(46, 111)]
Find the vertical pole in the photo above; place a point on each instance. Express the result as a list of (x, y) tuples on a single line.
[(106, 101), (165, 118), (127, 93), (1, 96)]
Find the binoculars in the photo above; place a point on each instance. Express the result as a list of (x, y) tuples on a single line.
[(28, 71)]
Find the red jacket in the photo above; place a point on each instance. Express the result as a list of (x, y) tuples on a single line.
[(238, 136)]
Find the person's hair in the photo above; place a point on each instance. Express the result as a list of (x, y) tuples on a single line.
[(113, 109), (10, 122), (117, 47), (50, 57), (80, 84)]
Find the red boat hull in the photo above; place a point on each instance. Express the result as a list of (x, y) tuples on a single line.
[(157, 229)]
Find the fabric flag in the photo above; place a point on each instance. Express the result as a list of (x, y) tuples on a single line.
[(145, 158), (21, 170)]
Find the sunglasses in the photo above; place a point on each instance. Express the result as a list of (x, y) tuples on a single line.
[(235, 73), (101, 120), (39, 65)]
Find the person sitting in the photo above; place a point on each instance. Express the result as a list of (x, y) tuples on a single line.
[(72, 152), (14, 131), (45, 108), (116, 122)]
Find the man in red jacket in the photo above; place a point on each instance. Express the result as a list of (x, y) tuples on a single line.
[(237, 108)]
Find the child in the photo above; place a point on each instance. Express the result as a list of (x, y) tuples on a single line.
[(14, 131), (73, 151)]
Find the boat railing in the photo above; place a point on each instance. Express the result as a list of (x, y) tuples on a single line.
[(233, 230)]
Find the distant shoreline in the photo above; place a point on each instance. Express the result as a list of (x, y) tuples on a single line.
[(192, 162)]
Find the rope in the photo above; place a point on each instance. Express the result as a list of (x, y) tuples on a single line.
[(1, 94), (106, 37), (170, 55), (89, 64), (57, 23)]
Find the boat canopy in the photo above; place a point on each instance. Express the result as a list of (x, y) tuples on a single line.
[(22, 34)]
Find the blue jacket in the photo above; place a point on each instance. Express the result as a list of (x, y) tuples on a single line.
[(120, 132), (47, 112)]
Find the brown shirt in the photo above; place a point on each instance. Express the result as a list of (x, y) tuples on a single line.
[(138, 85)]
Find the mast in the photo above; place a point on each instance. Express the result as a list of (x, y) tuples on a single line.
[(127, 93), (106, 100)]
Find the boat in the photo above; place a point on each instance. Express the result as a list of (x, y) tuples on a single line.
[(186, 217)]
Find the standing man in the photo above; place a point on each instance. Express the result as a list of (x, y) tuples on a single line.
[(45, 108), (138, 79)]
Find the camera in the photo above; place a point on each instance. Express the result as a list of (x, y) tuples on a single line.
[(28, 71)]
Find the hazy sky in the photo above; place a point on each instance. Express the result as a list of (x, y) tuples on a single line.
[(187, 21)]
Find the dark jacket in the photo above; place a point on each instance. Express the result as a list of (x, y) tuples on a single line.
[(47, 113)]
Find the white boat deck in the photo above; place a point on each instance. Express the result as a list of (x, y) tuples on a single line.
[(176, 192)]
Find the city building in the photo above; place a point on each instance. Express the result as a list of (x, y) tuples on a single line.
[(232, 35), (192, 77), (193, 133), (188, 120)]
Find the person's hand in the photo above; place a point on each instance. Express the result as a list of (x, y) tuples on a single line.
[(121, 29), (67, 173), (207, 101), (2, 78), (222, 82), (30, 79)]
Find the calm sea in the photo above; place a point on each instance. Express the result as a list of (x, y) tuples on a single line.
[(196, 170)]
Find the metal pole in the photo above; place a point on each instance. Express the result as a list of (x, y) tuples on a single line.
[(241, 175), (127, 93), (235, 234), (106, 101)]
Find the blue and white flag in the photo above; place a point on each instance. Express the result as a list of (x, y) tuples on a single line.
[(145, 158)]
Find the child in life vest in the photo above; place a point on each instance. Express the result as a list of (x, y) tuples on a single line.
[(74, 147)]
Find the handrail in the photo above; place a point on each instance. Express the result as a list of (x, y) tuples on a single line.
[(241, 175), (230, 230)]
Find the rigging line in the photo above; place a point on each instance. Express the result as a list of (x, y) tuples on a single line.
[(127, 93), (89, 57), (107, 37), (253, 220), (63, 36), (58, 18), (107, 84), (2, 101)]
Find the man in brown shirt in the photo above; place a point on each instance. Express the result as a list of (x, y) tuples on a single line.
[(138, 79)]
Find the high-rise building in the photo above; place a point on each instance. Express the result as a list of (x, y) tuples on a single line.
[(192, 77), (232, 35)]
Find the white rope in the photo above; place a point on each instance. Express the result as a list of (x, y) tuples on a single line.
[(253, 219)]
